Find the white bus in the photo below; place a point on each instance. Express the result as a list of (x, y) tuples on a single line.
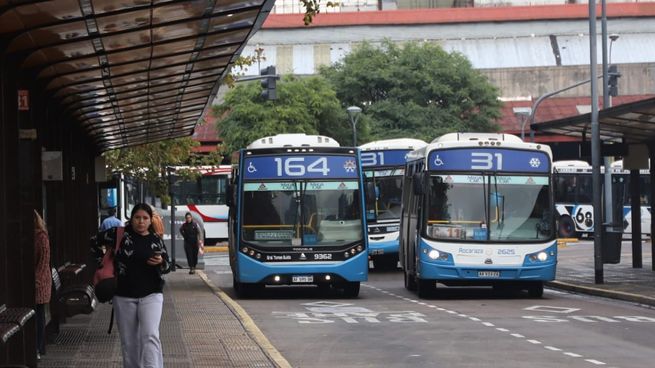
[(205, 197), (477, 210), (573, 197), (383, 163)]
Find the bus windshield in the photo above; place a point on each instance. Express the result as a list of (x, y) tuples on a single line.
[(302, 213), (384, 203), (510, 208)]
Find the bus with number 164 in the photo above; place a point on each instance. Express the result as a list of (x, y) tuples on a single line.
[(296, 215)]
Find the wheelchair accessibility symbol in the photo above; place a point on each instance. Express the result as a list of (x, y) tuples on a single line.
[(438, 161), (251, 168)]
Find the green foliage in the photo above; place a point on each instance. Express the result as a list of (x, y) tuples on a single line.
[(416, 90), (304, 105), (148, 162)]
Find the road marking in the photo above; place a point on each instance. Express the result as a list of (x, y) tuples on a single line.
[(248, 324), (541, 308)]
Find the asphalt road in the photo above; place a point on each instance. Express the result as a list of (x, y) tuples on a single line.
[(387, 326)]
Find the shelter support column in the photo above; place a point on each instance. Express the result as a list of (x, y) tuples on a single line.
[(635, 206), (651, 154)]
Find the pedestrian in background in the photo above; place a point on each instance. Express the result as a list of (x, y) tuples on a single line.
[(192, 241), (43, 278), (111, 221), (157, 222), (140, 263)]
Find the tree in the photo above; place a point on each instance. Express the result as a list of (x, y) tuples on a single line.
[(304, 105), (148, 162), (417, 90)]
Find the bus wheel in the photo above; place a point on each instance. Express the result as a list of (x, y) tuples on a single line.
[(351, 289), (410, 282), (566, 227), (245, 289), (425, 288), (385, 262), (536, 289)]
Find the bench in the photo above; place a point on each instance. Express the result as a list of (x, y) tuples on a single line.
[(12, 320), (71, 296)]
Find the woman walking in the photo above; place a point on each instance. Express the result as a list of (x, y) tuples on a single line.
[(140, 263)]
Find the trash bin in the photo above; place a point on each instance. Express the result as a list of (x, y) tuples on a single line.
[(611, 244)]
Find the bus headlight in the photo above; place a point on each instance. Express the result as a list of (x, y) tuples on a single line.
[(538, 257), (433, 254), (436, 255)]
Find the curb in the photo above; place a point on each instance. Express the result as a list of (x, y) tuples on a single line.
[(215, 249), (248, 324), (612, 294)]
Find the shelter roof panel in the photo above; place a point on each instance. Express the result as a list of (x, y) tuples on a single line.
[(124, 67), (627, 123)]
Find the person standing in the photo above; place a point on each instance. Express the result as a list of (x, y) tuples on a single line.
[(111, 221), (192, 241), (138, 302), (43, 278)]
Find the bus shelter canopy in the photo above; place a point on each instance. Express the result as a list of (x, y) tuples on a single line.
[(130, 71), (628, 123)]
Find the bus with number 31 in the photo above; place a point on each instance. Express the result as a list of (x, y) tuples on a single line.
[(477, 209), (296, 216)]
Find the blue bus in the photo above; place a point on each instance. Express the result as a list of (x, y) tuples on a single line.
[(477, 209), (383, 163), (296, 217)]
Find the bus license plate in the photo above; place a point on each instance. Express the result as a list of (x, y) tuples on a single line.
[(488, 273), (302, 279)]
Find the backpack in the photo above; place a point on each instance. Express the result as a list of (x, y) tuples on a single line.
[(104, 279)]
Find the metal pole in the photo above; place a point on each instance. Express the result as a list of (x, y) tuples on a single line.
[(635, 204), (172, 195), (354, 124), (607, 161), (595, 146)]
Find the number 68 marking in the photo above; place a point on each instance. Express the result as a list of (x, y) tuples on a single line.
[(485, 161)]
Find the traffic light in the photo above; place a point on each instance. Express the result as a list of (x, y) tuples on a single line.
[(613, 82), (268, 83)]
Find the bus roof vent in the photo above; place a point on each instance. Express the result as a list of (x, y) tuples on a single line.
[(294, 140)]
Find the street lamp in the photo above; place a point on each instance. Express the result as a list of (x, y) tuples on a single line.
[(353, 112)]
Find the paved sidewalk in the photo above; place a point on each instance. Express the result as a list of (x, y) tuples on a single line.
[(575, 272), (201, 327)]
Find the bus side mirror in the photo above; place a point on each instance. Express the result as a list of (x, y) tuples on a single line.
[(417, 184), (369, 191)]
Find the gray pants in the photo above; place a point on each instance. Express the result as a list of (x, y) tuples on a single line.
[(138, 325)]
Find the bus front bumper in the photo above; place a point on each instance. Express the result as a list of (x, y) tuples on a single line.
[(380, 248), (486, 274), (351, 270)]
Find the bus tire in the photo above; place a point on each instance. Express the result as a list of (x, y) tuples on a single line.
[(536, 289), (410, 281), (425, 288), (246, 290), (566, 227), (351, 289)]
